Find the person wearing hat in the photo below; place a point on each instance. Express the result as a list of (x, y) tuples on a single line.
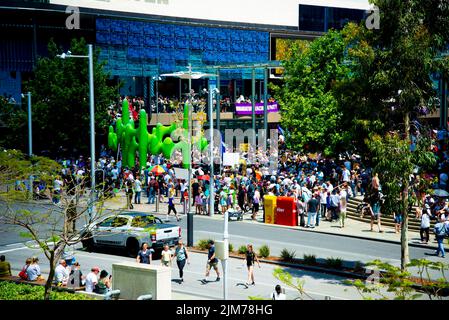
[(92, 279)]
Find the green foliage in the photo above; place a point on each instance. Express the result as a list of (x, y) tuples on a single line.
[(13, 291), (288, 255), (231, 248), (400, 284), (359, 266), (203, 244), (242, 249), (60, 100), (309, 259), (257, 298), (310, 112), (264, 251), (334, 263)]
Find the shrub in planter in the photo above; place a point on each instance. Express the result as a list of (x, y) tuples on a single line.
[(264, 251), (334, 263), (309, 259), (203, 244), (231, 248), (288, 255), (359, 266), (242, 249)]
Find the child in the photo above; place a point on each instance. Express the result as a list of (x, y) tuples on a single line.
[(166, 256)]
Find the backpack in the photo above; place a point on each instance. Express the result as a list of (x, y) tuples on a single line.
[(23, 274), (440, 230)]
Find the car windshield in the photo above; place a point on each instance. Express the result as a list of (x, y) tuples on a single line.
[(144, 221)]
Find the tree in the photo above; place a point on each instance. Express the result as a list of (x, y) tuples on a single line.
[(391, 82), (391, 279), (310, 111), (60, 91), (51, 227)]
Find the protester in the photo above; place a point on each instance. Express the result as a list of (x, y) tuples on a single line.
[(61, 273), (34, 270), (5, 267), (313, 207), (92, 279), (103, 285), (441, 232)]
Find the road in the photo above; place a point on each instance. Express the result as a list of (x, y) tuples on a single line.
[(240, 233)]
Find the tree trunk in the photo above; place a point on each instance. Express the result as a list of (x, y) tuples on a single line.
[(405, 257), (50, 276)]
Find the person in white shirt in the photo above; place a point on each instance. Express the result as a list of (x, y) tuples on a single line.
[(343, 206), (92, 279), (277, 294), (61, 273)]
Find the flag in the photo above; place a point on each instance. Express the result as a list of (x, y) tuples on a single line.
[(281, 130)]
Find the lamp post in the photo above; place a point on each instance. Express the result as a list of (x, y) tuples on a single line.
[(92, 122), (189, 75), (30, 135)]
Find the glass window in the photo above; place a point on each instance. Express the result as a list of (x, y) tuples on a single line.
[(144, 221), (119, 222)]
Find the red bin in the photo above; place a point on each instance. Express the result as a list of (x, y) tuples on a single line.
[(286, 212)]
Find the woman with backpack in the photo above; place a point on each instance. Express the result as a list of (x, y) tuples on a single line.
[(23, 274), (182, 257)]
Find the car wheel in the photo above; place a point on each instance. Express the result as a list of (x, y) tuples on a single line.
[(132, 247), (88, 244)]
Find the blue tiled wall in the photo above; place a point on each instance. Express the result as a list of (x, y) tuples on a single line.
[(134, 48)]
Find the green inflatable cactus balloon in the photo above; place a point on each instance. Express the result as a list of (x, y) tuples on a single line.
[(158, 142)]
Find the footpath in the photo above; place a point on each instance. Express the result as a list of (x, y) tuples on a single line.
[(352, 229)]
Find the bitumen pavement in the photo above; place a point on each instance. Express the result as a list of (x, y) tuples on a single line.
[(352, 228)]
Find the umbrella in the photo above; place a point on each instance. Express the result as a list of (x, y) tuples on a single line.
[(204, 177), (158, 170), (440, 193)]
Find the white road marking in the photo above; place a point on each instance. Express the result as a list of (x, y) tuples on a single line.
[(14, 244), (296, 245), (16, 249)]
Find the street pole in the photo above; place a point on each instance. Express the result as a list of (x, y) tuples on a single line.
[(443, 104), (189, 183), (225, 261), (92, 131), (30, 129), (30, 140), (211, 147), (157, 100), (265, 105), (253, 102), (217, 116)]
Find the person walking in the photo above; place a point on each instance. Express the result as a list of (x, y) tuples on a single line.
[(343, 207), (166, 256), (145, 254), (171, 202), (251, 258), (181, 257), (313, 206), (129, 194), (425, 215), (138, 189), (256, 202), (441, 231), (212, 261)]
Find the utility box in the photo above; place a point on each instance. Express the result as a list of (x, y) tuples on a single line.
[(136, 279), (222, 250), (269, 203), (286, 212)]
